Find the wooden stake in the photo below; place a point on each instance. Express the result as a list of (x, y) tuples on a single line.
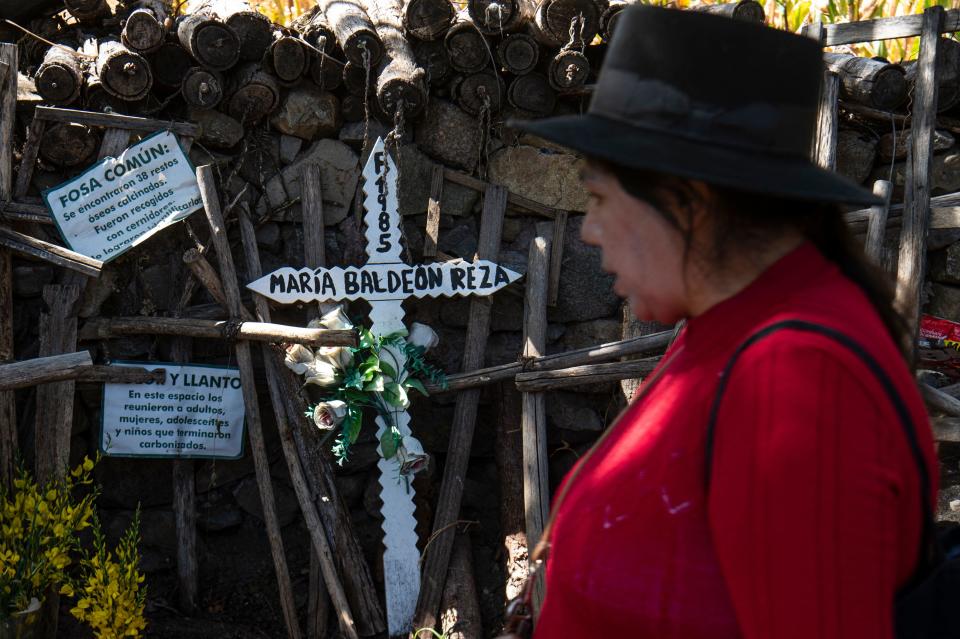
[(44, 369), (460, 606), (588, 374), (211, 204), (916, 214), (185, 508), (826, 141), (433, 212), (8, 405), (114, 143), (877, 226), (58, 334), (536, 487), (437, 557), (105, 328), (57, 255), (314, 250), (320, 545), (508, 452), (206, 275)]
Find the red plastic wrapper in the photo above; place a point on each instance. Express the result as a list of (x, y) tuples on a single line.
[(939, 345)]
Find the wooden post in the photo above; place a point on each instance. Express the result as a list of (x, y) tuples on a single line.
[(916, 212), (58, 334), (8, 406), (877, 224), (509, 456), (460, 606), (114, 143), (42, 370), (536, 487), (185, 508), (826, 142), (314, 255), (433, 212), (320, 546), (437, 557), (586, 374), (211, 204)]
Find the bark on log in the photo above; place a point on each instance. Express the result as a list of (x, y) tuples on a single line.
[(748, 10), (254, 94), (258, 450), (170, 64), (87, 11), (867, 81), (124, 74), (609, 19), (480, 91), (315, 31), (568, 70), (460, 606), (532, 94), (551, 21), (43, 370), (428, 20), (495, 17), (432, 58), (354, 30), (144, 30), (288, 58), (58, 334), (68, 145), (518, 53), (202, 88), (401, 84), (209, 40), (105, 328), (948, 74), (59, 78), (326, 72), (466, 47)]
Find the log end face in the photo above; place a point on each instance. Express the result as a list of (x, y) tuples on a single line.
[(560, 15), (255, 33), (889, 88), (142, 32), (57, 85), (518, 54), (749, 11), (492, 16), (201, 88), (568, 71), (363, 40), (216, 46), (428, 19), (289, 59)]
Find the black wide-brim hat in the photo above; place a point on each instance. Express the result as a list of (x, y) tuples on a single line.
[(710, 98)]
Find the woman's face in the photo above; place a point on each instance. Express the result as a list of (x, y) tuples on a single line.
[(640, 248)]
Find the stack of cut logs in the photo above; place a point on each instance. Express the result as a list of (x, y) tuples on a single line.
[(225, 66)]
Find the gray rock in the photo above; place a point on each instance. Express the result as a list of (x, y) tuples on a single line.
[(544, 176), (503, 348), (275, 192), (586, 291), (158, 285), (513, 260), (938, 239), (214, 474), (261, 162), (308, 112), (289, 147), (218, 517), (460, 241), (352, 133), (944, 174), (339, 173), (247, 494), (856, 153), (590, 333), (512, 227), (888, 150), (448, 134), (28, 281), (506, 314), (98, 290), (944, 301), (572, 413), (416, 171), (268, 236), (217, 129)]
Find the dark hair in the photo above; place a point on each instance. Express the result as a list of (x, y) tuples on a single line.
[(743, 219)]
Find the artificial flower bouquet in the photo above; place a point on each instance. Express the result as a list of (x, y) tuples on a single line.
[(40, 551), (378, 373)]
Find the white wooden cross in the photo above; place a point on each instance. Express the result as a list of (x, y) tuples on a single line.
[(385, 281)]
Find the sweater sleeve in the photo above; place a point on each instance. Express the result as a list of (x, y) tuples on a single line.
[(809, 511)]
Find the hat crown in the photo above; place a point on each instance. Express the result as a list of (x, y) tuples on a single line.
[(713, 79)]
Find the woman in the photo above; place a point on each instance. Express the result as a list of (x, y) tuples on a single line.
[(785, 497)]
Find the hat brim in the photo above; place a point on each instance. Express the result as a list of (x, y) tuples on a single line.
[(658, 150)]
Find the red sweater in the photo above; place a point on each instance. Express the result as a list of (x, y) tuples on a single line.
[(813, 517)]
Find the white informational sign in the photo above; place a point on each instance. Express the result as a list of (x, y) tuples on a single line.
[(197, 413), (120, 202), (385, 281)]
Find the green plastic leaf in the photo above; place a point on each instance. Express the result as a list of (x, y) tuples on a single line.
[(388, 444), (375, 384), (367, 340), (352, 379), (413, 382), (351, 426), (396, 395), (388, 369)]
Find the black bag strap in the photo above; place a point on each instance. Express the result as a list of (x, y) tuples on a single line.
[(929, 553)]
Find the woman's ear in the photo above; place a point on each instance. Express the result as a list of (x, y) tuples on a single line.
[(703, 200)]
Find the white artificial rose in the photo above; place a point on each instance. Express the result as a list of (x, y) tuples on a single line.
[(298, 358), (329, 415), (422, 335), (321, 373), (338, 356), (336, 320)]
